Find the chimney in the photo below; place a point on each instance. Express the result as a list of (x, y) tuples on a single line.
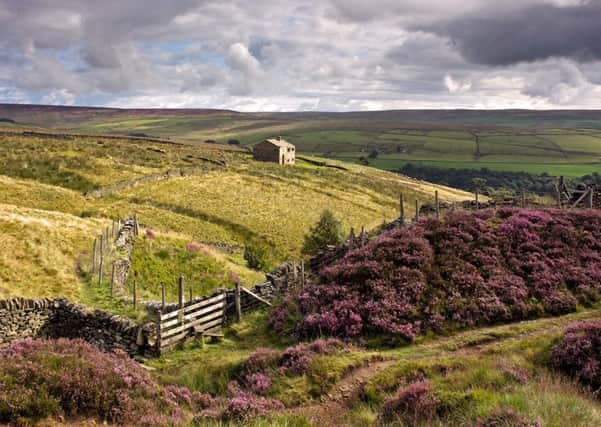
[(279, 138)]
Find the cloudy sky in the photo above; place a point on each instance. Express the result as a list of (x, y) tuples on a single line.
[(270, 55)]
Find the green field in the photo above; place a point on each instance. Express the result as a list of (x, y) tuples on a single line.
[(555, 142)]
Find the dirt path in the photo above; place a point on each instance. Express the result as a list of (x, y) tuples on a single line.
[(329, 411)]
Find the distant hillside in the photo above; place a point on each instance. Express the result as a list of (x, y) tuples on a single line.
[(553, 142)]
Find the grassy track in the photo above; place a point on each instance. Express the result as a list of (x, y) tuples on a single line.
[(472, 373)]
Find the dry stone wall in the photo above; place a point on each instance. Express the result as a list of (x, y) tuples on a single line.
[(59, 318), (124, 244)]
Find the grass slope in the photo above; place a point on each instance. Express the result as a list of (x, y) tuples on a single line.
[(41, 251), (217, 207)]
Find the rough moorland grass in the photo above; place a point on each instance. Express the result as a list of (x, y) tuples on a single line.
[(245, 202), (274, 205), (40, 252), (159, 258), (472, 373), (472, 376)]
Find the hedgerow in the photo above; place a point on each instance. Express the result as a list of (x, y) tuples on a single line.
[(468, 269)]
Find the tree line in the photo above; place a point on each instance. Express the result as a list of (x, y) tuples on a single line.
[(490, 181)]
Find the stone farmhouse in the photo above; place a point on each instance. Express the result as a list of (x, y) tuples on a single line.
[(275, 150)]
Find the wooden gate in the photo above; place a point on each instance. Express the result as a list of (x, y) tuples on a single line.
[(199, 317)]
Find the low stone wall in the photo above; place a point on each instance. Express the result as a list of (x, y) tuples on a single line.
[(59, 318), (21, 318), (155, 177), (124, 244)]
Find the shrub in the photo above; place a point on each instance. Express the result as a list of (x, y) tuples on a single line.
[(42, 378), (578, 354), (468, 269), (413, 404), (258, 256), (291, 361), (327, 231), (246, 405), (258, 383), (506, 417)]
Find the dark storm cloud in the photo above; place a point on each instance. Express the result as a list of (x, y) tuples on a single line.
[(530, 34)]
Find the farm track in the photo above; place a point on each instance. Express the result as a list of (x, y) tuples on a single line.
[(331, 409)]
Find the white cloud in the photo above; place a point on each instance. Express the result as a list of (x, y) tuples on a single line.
[(455, 86)]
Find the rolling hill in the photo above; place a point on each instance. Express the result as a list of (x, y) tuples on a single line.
[(555, 142), (68, 187)]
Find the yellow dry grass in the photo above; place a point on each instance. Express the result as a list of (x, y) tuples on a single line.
[(40, 251)]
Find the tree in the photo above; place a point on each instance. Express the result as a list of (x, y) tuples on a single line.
[(258, 256), (327, 231), (479, 184)]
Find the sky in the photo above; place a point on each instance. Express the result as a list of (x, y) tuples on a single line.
[(301, 55)]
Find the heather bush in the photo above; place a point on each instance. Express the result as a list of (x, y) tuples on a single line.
[(578, 354), (413, 404), (468, 269), (258, 383), (291, 361), (506, 417), (247, 405), (43, 378)]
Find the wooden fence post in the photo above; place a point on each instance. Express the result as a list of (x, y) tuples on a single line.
[(101, 245), (591, 196), (237, 300), (136, 225), (134, 293), (294, 273), (94, 256), (163, 296), (180, 291), (437, 204), (302, 273), (402, 209), (112, 279), (191, 292), (523, 199), (112, 229), (477, 200), (100, 269), (416, 210), (158, 342)]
